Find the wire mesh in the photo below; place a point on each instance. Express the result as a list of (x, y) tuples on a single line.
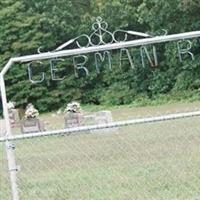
[(146, 161)]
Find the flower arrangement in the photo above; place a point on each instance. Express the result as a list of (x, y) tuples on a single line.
[(11, 105), (31, 112), (73, 107)]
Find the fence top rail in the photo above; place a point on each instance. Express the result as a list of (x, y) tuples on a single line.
[(71, 131), (118, 45)]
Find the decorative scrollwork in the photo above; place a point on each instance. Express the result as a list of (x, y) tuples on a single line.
[(125, 35), (162, 32), (100, 36), (76, 40)]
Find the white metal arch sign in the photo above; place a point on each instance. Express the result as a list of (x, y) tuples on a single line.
[(101, 36), (100, 42)]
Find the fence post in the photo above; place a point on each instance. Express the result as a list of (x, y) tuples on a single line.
[(10, 148)]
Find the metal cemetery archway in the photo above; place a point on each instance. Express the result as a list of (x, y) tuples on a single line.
[(91, 46)]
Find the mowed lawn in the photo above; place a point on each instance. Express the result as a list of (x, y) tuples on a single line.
[(158, 161)]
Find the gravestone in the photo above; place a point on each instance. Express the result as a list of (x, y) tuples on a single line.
[(73, 120), (89, 119), (104, 117), (13, 116), (32, 125)]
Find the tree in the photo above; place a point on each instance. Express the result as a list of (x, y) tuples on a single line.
[(28, 25)]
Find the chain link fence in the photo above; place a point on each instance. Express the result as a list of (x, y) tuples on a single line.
[(145, 161)]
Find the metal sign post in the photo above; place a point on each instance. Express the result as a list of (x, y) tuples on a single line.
[(9, 145)]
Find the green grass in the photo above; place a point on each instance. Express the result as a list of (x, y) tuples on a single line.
[(174, 97), (152, 161)]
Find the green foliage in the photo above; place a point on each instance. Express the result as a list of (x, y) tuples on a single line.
[(27, 25)]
